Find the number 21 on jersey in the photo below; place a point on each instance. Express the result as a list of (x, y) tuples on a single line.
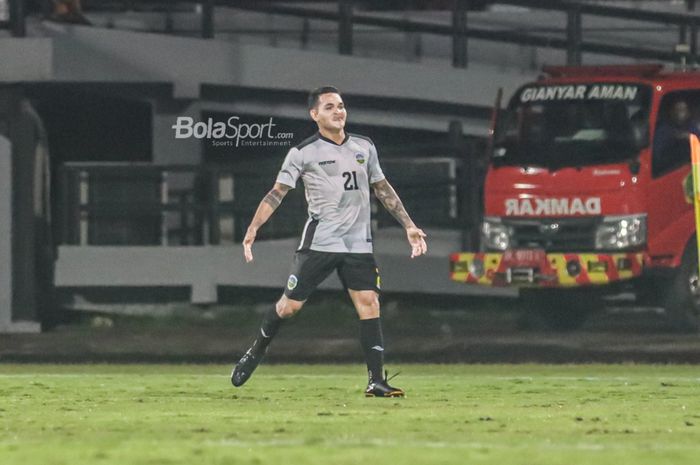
[(350, 181)]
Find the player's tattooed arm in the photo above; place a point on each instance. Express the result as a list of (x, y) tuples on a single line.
[(269, 204), (267, 207), (391, 201), (274, 197)]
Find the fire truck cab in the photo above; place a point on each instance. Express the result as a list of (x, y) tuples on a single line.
[(588, 193)]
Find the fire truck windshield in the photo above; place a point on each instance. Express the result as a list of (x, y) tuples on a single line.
[(573, 125)]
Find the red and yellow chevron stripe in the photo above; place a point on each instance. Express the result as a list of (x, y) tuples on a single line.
[(550, 269)]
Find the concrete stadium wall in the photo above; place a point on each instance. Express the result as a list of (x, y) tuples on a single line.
[(7, 323), (203, 268), (27, 59), (84, 54)]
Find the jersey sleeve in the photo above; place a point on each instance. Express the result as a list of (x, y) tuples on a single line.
[(291, 168), (373, 169)]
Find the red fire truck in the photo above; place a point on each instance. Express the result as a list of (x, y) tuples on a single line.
[(586, 194)]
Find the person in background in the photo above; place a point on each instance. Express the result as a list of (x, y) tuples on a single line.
[(672, 132), (68, 11)]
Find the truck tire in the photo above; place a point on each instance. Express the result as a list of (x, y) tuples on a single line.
[(682, 302), (556, 309)]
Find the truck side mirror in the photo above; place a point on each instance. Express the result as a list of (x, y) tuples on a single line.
[(501, 126), (497, 147)]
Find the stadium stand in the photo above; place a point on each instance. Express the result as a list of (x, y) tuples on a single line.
[(408, 75)]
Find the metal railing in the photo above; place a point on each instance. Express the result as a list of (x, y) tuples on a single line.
[(143, 204), (460, 31), (346, 16)]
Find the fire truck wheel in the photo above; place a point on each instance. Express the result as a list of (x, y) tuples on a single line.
[(556, 309), (683, 296)]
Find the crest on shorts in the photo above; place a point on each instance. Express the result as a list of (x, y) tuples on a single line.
[(360, 157), (292, 282)]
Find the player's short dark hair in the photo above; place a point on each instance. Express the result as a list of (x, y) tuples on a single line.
[(317, 92)]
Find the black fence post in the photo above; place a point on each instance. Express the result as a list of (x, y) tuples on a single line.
[(459, 34), (345, 8), (68, 207), (207, 19), (305, 32), (682, 33), (573, 36), (17, 25), (476, 152), (464, 189), (61, 192), (213, 198), (693, 41), (169, 21), (46, 8)]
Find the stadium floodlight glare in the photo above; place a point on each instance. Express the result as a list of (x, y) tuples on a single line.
[(621, 232), (494, 234)]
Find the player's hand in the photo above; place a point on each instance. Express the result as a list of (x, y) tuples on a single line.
[(416, 237), (248, 244)]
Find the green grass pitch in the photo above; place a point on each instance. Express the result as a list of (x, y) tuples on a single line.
[(311, 414)]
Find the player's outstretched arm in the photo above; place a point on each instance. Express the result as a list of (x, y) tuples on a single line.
[(391, 201), (267, 207)]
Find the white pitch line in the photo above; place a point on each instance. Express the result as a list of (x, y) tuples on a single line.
[(440, 445), (268, 374)]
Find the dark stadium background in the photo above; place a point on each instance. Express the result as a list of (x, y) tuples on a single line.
[(113, 229)]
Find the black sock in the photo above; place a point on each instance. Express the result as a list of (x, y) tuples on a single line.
[(372, 342), (270, 324)]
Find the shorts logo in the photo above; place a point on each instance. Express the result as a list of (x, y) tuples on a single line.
[(360, 157), (292, 282), (379, 279)]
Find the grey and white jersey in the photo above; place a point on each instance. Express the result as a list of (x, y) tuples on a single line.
[(337, 182)]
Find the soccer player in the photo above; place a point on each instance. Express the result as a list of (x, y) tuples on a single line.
[(337, 169)]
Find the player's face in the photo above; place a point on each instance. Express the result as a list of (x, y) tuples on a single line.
[(330, 112)]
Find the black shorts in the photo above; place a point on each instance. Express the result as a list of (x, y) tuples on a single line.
[(357, 271)]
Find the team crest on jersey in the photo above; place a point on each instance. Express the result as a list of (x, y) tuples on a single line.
[(360, 157), (292, 282)]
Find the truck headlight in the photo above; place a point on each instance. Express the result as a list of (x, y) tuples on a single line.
[(494, 234), (621, 232)]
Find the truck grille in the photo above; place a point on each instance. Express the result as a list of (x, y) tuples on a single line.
[(553, 234)]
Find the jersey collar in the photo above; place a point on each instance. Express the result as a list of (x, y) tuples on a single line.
[(347, 136)]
